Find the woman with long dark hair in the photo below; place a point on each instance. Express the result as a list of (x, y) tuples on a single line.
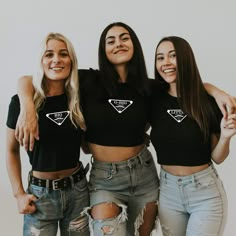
[(189, 134)]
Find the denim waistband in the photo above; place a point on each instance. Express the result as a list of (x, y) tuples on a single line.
[(141, 157), (198, 175)]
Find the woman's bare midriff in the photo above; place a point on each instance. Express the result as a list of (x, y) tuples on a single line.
[(184, 170), (113, 154), (55, 174)]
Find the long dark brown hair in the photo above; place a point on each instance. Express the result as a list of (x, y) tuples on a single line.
[(192, 96)]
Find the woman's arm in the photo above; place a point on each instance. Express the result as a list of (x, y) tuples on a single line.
[(27, 126), (225, 102), (24, 200), (221, 146)]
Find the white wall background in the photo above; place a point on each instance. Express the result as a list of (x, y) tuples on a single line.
[(209, 26)]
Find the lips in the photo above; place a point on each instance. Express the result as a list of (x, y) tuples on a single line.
[(121, 51)]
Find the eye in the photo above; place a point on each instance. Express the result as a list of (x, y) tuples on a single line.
[(126, 38), (172, 55), (48, 55), (160, 58), (64, 54), (110, 42)]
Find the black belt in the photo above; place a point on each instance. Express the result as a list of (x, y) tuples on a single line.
[(63, 183)]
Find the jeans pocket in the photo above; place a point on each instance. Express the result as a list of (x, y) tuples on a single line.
[(207, 181), (37, 191), (99, 173)]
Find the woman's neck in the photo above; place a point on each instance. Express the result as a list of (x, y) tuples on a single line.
[(122, 71), (55, 88), (172, 90)]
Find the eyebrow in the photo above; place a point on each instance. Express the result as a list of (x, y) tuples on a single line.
[(163, 53), (50, 50), (112, 37)]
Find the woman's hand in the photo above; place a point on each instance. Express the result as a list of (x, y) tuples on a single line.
[(27, 127), (25, 203), (228, 126)]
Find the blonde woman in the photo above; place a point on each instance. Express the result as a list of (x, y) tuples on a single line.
[(57, 187)]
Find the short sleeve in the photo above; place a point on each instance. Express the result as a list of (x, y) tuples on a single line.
[(13, 112)]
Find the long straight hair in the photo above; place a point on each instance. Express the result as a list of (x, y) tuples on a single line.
[(71, 85), (191, 94), (137, 73)]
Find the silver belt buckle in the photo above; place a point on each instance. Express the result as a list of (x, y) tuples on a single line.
[(55, 184)]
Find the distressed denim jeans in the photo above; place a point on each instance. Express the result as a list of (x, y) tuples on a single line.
[(194, 205), (130, 184), (58, 208)]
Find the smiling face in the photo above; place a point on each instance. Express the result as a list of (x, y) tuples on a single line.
[(166, 61), (56, 61), (118, 46)]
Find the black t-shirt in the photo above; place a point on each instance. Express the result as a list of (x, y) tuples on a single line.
[(112, 121), (177, 138), (59, 144)]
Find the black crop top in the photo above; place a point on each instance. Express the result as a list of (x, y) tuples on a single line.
[(59, 144), (176, 138), (113, 121)]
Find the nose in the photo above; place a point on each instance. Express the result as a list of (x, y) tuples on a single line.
[(56, 58), (118, 43), (166, 61)]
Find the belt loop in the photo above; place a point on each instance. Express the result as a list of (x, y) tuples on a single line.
[(140, 159), (91, 160), (164, 176), (72, 181), (29, 178), (113, 171), (47, 183), (194, 180)]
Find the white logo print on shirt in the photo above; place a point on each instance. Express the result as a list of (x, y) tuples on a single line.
[(177, 114), (58, 117), (120, 105)]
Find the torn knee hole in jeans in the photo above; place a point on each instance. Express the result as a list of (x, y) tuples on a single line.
[(121, 217), (104, 227), (79, 224)]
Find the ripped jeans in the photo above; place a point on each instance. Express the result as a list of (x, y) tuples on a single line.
[(130, 184), (62, 206), (194, 205)]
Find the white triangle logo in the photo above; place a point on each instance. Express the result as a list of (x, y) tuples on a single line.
[(177, 114), (58, 117), (120, 105)]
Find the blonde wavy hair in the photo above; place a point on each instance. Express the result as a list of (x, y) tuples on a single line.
[(71, 85)]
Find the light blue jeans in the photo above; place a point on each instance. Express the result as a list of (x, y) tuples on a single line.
[(61, 207), (194, 205), (129, 184)]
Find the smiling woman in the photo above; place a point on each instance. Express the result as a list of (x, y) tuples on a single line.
[(188, 134), (56, 172)]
